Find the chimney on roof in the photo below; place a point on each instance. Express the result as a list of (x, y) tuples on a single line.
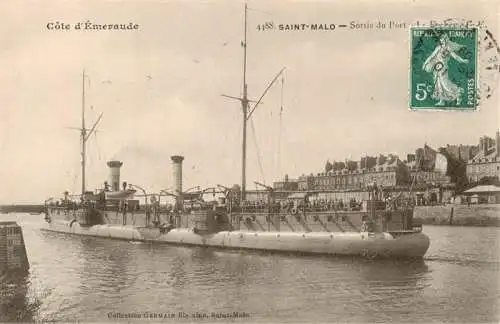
[(486, 145), (497, 142), (362, 162), (371, 162), (381, 159)]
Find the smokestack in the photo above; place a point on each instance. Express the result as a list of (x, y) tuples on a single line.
[(114, 174), (177, 159)]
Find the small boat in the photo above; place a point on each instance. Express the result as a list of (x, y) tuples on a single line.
[(120, 195)]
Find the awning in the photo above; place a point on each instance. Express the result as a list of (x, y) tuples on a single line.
[(483, 189), (297, 195), (191, 195)]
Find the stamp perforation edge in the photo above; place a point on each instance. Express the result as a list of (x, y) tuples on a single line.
[(477, 71)]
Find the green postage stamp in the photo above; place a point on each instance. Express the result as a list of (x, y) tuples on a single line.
[(443, 68)]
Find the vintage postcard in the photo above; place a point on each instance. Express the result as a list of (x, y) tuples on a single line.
[(249, 161)]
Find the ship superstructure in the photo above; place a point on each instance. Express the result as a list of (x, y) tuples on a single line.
[(218, 217)]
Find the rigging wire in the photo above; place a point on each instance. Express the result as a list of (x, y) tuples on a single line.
[(279, 134), (75, 177), (280, 124), (97, 146), (258, 152)]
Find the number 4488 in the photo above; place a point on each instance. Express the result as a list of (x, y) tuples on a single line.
[(422, 91)]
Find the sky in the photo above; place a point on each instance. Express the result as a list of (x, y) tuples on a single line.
[(344, 93)]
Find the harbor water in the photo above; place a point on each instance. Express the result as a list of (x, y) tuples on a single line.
[(87, 279)]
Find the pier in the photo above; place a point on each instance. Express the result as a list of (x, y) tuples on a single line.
[(21, 208), (13, 255)]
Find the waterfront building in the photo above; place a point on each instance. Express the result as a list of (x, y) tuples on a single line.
[(286, 184), (483, 194), (461, 152), (486, 163), (425, 176), (385, 171), (305, 182), (425, 171)]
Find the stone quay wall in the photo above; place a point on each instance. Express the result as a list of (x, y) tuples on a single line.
[(461, 215)]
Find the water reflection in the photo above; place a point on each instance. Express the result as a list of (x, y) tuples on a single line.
[(15, 303), (86, 278), (106, 264)]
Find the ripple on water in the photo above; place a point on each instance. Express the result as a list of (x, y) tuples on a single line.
[(83, 279)]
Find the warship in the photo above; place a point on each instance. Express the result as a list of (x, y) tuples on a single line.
[(222, 217)]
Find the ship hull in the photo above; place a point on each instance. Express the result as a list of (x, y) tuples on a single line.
[(384, 245)]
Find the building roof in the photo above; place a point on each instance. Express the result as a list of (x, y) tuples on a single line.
[(490, 155), (483, 189)]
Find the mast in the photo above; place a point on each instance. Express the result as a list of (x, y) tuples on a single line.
[(247, 113), (244, 107), (83, 133)]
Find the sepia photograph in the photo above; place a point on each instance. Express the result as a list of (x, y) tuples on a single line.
[(250, 161)]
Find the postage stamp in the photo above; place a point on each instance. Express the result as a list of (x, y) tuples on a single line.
[(443, 68)]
